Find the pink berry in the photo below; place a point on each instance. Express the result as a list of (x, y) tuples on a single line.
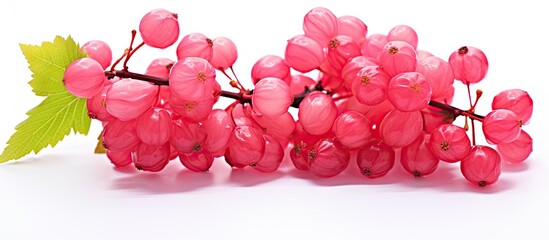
[(280, 127), (516, 100), (246, 145), (271, 66), (518, 150), (159, 28), (299, 82), (501, 126), (373, 46), (370, 85), (438, 73), (352, 67), (377, 112), (398, 57), (352, 129), (160, 67), (192, 78), (195, 45), (403, 33), (97, 105), (320, 24), (417, 159), (84, 78), (197, 161), (119, 135), (341, 49), (128, 99), (224, 53), (218, 127), (187, 137), (99, 51), (469, 64), (317, 113), (192, 110), (120, 158), (433, 118), (328, 158), (422, 55), (409, 91), (271, 97), (303, 54), (450, 143), (399, 129), (152, 158), (375, 159), (153, 126), (274, 153), (482, 166), (352, 27)]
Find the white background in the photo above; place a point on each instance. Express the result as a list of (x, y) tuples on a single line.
[(70, 193)]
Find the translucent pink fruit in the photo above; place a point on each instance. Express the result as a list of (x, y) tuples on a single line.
[(303, 54), (187, 137), (403, 33), (450, 143), (352, 67), (417, 159), (97, 105), (246, 145), (84, 78), (302, 142), (192, 78), (120, 158), (518, 150), (119, 135), (340, 49), (218, 127), (152, 158), (192, 110), (328, 158), (128, 99), (409, 91), (370, 85), (375, 159), (274, 153), (373, 46), (154, 126), (482, 166), (99, 51), (299, 82), (399, 129), (271, 66), (320, 24), (160, 67), (352, 129), (317, 113), (271, 97), (195, 45), (516, 100), (197, 161), (501, 126), (352, 27), (422, 54), (433, 117), (469, 64), (398, 57), (224, 53), (159, 28), (280, 127), (438, 73)]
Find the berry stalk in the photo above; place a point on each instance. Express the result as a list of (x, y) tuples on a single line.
[(297, 98)]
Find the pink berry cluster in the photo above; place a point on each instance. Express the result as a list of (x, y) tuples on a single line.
[(376, 97)]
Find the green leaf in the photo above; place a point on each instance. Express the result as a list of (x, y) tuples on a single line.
[(58, 114), (47, 124), (48, 63)]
